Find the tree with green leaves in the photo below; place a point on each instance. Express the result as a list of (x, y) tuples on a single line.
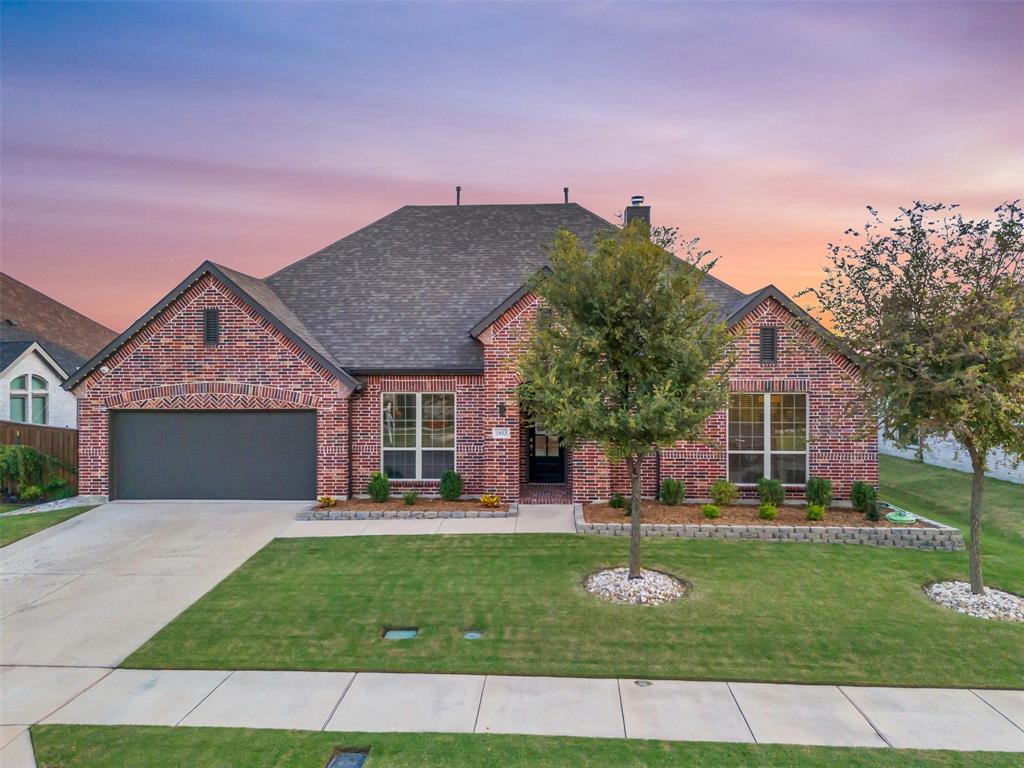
[(933, 304), (627, 352)]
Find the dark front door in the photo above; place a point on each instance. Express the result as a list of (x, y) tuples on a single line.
[(213, 454), (546, 457)]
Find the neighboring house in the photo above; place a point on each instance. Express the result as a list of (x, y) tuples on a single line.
[(395, 349), (947, 452), (42, 342)]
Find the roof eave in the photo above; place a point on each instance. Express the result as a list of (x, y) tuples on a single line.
[(504, 306)]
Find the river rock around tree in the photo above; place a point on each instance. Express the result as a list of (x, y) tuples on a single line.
[(652, 588)]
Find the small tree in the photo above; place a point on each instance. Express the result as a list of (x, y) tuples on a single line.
[(934, 306), (626, 349)]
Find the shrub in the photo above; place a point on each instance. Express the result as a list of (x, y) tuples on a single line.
[(819, 491), (410, 497), (873, 513), (815, 512), (723, 493), (771, 492), (21, 466), (379, 487), (491, 500), (30, 493), (57, 488), (767, 512), (711, 511), (673, 492), (451, 485), (326, 502), (617, 501), (859, 495)]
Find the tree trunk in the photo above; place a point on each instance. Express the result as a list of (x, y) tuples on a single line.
[(919, 453), (634, 534), (977, 486)]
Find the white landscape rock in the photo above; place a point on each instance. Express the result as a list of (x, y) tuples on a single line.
[(652, 588), (993, 604)]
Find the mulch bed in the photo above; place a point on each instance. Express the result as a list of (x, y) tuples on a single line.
[(422, 504), (655, 512)]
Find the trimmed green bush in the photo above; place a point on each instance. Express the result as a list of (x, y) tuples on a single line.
[(57, 488), (771, 492), (723, 493), (862, 495), (874, 513), (673, 492), (451, 485), (22, 466), (819, 491), (711, 511), (815, 512), (410, 497), (379, 487), (767, 512), (30, 493), (617, 501)]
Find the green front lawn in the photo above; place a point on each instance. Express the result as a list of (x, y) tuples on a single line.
[(66, 746), (18, 527), (945, 495), (758, 611)]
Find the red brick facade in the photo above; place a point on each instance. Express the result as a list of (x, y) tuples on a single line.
[(167, 366)]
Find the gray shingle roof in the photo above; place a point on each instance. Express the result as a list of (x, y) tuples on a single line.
[(11, 351), (403, 292)]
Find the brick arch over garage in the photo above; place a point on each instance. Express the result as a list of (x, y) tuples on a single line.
[(206, 395)]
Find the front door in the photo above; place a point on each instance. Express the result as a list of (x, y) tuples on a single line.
[(546, 457)]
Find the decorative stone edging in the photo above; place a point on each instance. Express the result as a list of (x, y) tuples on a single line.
[(50, 506), (935, 536), (405, 514)]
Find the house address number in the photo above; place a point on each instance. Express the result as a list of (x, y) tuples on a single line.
[(501, 433)]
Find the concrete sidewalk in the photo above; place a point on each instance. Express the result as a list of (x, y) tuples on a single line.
[(825, 715)]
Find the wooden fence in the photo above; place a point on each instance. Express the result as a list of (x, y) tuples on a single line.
[(56, 441)]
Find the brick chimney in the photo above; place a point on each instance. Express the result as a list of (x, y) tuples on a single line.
[(637, 210)]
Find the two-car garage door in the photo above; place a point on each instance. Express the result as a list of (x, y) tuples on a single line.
[(213, 454)]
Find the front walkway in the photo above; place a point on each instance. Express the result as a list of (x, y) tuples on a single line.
[(827, 715)]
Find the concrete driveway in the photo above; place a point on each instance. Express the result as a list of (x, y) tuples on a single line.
[(90, 591)]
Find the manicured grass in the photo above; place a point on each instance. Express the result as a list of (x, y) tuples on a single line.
[(8, 507), (18, 527), (945, 495), (66, 746), (758, 611)]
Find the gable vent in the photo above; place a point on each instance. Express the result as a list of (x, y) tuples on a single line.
[(211, 327), (768, 345)]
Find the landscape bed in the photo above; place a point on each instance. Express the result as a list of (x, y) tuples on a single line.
[(69, 746), (396, 508), (791, 525)]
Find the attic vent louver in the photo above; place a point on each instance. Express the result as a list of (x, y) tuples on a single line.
[(768, 344), (211, 327)]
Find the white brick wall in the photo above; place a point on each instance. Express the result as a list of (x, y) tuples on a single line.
[(947, 452), (62, 409)]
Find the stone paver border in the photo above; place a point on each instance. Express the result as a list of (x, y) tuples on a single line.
[(407, 514), (932, 536)]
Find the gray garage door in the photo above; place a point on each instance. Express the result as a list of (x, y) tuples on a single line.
[(213, 454)]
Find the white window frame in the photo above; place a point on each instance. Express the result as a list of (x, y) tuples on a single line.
[(419, 449), (767, 451), (27, 395)]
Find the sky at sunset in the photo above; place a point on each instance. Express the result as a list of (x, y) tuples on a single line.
[(140, 139)]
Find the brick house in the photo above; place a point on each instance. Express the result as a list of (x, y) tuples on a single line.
[(395, 349)]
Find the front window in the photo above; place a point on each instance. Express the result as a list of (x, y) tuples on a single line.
[(417, 435), (28, 399), (768, 437)]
